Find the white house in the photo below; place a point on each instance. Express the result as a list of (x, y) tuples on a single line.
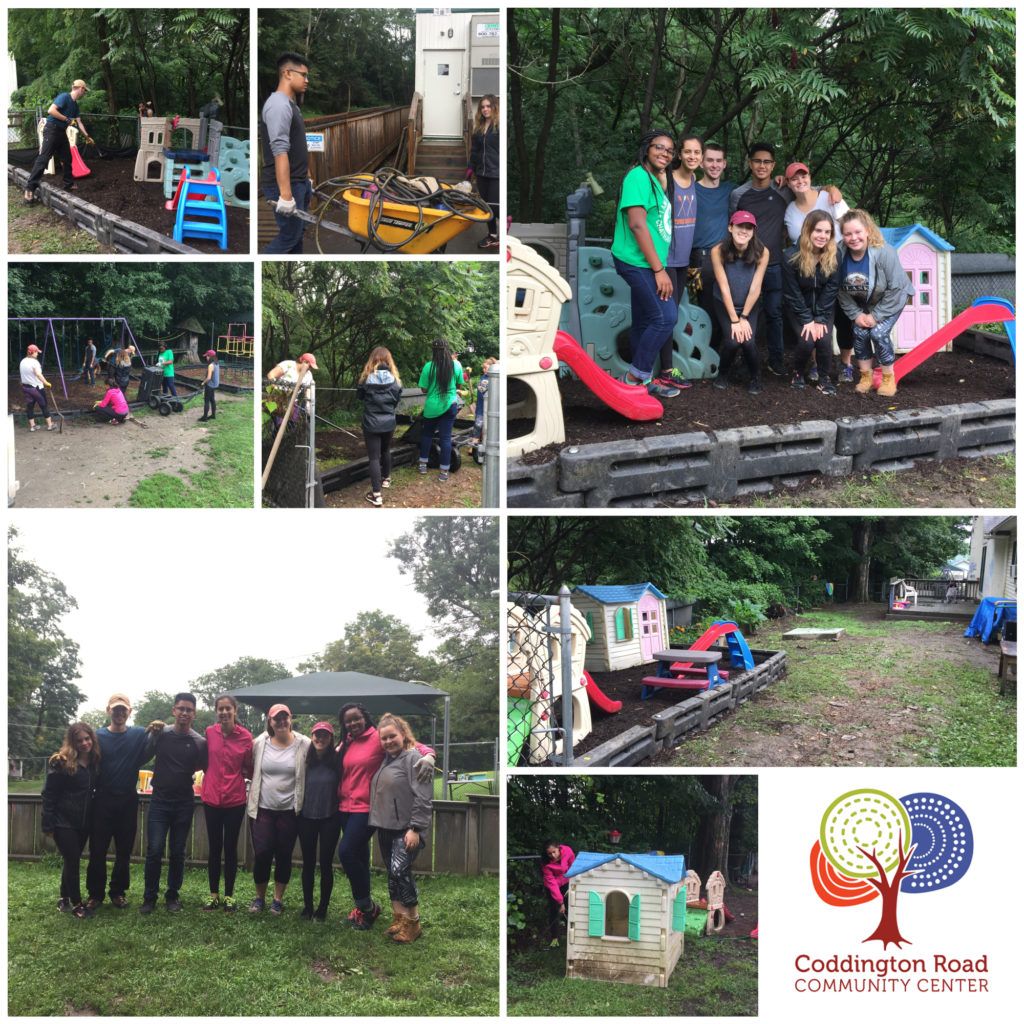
[(626, 916), (627, 624), (994, 556)]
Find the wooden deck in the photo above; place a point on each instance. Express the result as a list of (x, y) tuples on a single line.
[(931, 610)]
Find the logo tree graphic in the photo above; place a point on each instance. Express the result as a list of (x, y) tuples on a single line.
[(924, 839)]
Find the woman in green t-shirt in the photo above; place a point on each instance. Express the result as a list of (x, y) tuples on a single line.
[(166, 360), (440, 379), (643, 231)]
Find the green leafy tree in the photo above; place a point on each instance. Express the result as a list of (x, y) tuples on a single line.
[(378, 644), (238, 675), (42, 661)]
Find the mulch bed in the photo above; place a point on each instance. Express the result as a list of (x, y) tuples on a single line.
[(947, 378), (625, 685), (81, 396), (112, 187)]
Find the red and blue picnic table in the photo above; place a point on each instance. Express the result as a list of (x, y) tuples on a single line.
[(991, 617), (698, 671)]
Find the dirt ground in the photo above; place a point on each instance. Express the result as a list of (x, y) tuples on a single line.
[(81, 396), (99, 465), (112, 187), (944, 379), (867, 731)]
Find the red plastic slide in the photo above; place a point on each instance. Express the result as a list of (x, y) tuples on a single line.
[(705, 640), (988, 313), (78, 168), (596, 695), (632, 402)]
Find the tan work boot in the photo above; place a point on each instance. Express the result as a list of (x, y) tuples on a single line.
[(396, 925), (888, 386), (866, 382), (409, 931)]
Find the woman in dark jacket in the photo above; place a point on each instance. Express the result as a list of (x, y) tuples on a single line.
[(380, 389), (400, 810), (71, 776), (484, 159), (810, 286), (122, 367)]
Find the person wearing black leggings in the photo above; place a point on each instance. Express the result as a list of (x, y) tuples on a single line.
[(319, 821), (485, 163), (210, 385)]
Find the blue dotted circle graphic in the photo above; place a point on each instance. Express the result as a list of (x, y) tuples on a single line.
[(944, 840)]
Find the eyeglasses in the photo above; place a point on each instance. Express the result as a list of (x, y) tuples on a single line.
[(293, 71), (769, 162), (662, 149), (184, 711)]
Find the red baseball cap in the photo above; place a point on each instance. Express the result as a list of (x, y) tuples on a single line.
[(793, 168), (277, 709), (308, 357), (33, 350), (743, 217), (323, 727)]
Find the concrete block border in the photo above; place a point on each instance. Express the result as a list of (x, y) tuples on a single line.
[(721, 465), (697, 713)]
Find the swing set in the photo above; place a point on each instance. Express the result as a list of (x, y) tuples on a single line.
[(110, 328)]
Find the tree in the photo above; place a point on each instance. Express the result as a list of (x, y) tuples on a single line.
[(378, 644), (924, 839), (454, 566), (155, 706), (43, 661), (240, 674)]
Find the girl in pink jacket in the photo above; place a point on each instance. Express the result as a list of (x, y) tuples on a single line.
[(113, 407), (555, 860)]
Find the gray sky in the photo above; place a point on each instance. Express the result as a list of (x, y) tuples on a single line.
[(166, 596)]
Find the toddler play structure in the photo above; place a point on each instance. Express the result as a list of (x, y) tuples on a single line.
[(628, 624), (626, 917), (200, 208), (536, 681), (237, 342)]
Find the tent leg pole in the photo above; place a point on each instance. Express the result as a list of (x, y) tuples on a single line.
[(447, 719)]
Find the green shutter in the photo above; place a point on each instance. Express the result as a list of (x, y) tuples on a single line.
[(631, 624), (590, 626), (596, 922), (620, 626), (679, 912), (634, 917)]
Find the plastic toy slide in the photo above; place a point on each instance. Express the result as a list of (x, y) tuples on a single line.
[(597, 696), (518, 727), (983, 314), (632, 402), (1010, 326), (739, 652)]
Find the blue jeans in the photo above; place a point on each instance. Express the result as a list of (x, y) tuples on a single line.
[(166, 817), (289, 229), (653, 318), (442, 425), (771, 303), (354, 852), (878, 336), (168, 383)]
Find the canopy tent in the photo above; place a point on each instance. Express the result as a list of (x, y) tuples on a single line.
[(323, 693)]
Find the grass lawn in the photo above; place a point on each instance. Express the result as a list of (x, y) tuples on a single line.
[(911, 693), (228, 483), (198, 964), (714, 977)]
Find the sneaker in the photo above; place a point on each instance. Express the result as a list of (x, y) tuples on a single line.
[(52, 426), (386, 483), (826, 387), (443, 475), (777, 367), (307, 913), (421, 468), (120, 902), (32, 429), (660, 391), (797, 381), (846, 374), (148, 906), (229, 904), (276, 908), (754, 387), (173, 904), (257, 905), (80, 910), (213, 903), (362, 920), (673, 378), (812, 375), (375, 499), (720, 382)]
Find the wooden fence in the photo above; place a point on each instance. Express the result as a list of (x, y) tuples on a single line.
[(355, 142), (463, 838)]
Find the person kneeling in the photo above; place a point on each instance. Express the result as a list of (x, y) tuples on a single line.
[(113, 408)]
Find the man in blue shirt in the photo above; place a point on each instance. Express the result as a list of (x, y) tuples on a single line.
[(116, 809), (63, 112)]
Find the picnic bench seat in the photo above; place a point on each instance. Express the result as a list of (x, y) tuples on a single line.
[(675, 683)]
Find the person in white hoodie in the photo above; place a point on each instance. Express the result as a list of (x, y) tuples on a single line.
[(380, 389)]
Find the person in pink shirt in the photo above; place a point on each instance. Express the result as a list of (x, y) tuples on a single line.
[(229, 752), (113, 407), (555, 860), (361, 756)]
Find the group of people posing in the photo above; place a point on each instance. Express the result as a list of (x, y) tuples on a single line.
[(325, 794), (727, 245)]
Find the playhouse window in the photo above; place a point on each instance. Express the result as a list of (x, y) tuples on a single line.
[(623, 624), (926, 277), (616, 914), (523, 302), (590, 626), (926, 298)]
